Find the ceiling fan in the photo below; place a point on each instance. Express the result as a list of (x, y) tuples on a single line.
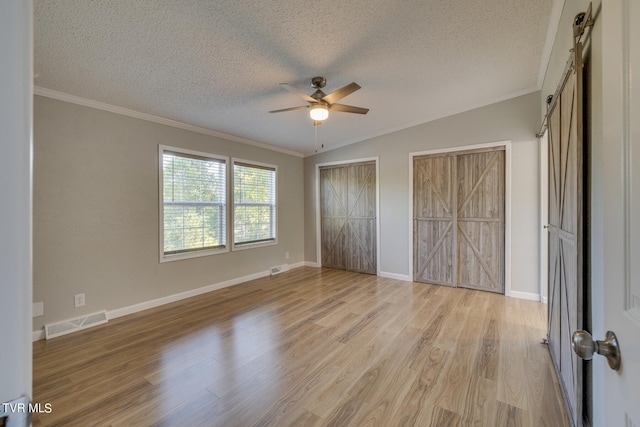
[(320, 103)]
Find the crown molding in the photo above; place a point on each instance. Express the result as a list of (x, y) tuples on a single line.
[(61, 96)]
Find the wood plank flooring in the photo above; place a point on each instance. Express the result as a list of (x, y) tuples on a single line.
[(310, 347)]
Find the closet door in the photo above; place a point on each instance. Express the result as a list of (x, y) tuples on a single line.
[(458, 205), (434, 213), (348, 217), (361, 218), (333, 211), (481, 220)]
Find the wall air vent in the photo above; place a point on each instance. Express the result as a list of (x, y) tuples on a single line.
[(53, 330), (279, 269)]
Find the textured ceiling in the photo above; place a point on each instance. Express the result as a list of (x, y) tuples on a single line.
[(217, 64)]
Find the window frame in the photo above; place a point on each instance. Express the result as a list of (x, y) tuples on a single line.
[(232, 204), (196, 253)]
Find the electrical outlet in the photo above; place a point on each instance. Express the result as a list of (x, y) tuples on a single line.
[(38, 309), (78, 300), (286, 255)]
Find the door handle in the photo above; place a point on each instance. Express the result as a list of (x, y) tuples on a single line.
[(584, 346)]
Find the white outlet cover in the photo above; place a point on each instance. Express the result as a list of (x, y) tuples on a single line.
[(79, 300), (38, 309)]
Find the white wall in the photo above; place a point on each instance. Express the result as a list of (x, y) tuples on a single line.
[(96, 212), (15, 216), (516, 120)]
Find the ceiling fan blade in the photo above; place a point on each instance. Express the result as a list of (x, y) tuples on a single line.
[(348, 109), (298, 92), (302, 107), (337, 95)]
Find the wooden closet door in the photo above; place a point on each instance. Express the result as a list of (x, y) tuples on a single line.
[(554, 259), (361, 219), (480, 220), (434, 213), (565, 241), (333, 211), (348, 217), (458, 208)]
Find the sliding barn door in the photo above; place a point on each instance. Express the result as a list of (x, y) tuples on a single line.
[(348, 217), (565, 241), (458, 205)]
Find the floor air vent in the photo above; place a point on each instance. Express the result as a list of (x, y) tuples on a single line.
[(279, 269), (53, 330)]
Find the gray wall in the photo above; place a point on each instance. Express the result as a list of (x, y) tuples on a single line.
[(16, 31), (516, 120), (96, 212)]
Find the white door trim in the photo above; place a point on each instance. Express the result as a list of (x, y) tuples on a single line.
[(544, 217)]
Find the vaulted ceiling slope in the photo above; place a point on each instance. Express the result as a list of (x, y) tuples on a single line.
[(216, 64)]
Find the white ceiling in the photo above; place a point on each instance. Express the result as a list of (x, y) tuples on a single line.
[(217, 64)]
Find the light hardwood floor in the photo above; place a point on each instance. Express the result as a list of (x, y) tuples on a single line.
[(310, 347)]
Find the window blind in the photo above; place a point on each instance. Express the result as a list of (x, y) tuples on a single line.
[(194, 202), (254, 203)]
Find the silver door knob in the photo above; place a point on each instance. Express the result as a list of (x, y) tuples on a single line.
[(584, 346)]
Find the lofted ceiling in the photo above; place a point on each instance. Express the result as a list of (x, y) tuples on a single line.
[(217, 64)]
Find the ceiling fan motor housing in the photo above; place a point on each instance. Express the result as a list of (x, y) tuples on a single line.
[(318, 82), (318, 95)]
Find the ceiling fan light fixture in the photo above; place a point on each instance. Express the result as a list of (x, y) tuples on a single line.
[(319, 112), (319, 103)]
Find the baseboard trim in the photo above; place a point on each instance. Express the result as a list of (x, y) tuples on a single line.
[(403, 277), (124, 311), (312, 264), (524, 295), (37, 335), (297, 264)]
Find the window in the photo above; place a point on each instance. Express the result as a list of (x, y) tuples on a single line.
[(254, 204), (193, 210)]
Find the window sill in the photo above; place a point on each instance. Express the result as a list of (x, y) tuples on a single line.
[(245, 246), (188, 255)]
